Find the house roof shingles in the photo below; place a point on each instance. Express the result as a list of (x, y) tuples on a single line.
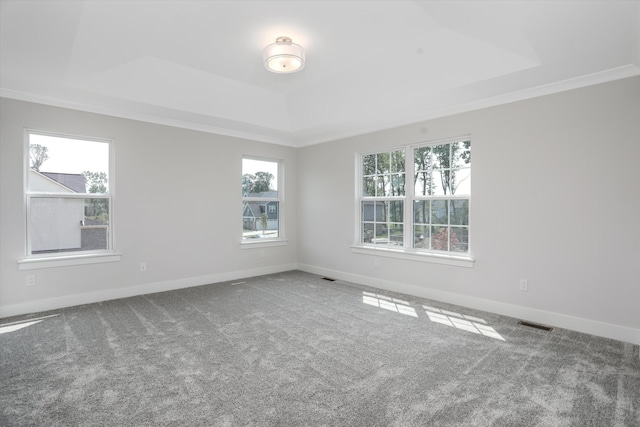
[(73, 181)]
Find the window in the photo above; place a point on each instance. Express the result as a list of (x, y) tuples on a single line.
[(417, 198), (261, 200), (68, 198), (383, 192)]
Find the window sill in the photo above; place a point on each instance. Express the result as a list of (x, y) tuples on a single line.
[(265, 243), (64, 261), (413, 255)]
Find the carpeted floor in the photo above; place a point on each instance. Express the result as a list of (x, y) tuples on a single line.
[(293, 349)]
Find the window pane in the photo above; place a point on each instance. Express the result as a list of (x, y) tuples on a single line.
[(63, 225), (397, 185), (380, 211), (381, 234), (440, 183), (461, 182), (442, 156), (396, 234), (67, 165), (461, 152), (396, 212), (367, 232), (382, 163), (421, 211), (439, 212), (95, 230), (381, 186), (259, 178), (397, 161), (440, 238), (368, 186), (422, 158), (459, 212), (459, 239), (383, 222), (369, 164), (421, 236), (260, 219), (368, 211), (423, 184)]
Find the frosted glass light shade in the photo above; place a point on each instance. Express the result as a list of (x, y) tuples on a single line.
[(283, 56)]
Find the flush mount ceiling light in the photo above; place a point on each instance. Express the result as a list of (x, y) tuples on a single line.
[(283, 56)]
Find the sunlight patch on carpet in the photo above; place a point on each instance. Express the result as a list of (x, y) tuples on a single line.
[(461, 321), (388, 303)]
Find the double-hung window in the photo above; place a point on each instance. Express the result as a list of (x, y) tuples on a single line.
[(262, 201), (442, 191), (68, 196), (416, 198), (383, 198)]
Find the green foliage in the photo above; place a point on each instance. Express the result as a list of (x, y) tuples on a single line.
[(96, 209), (38, 154), (384, 174), (95, 181), (440, 161), (258, 183), (422, 160)]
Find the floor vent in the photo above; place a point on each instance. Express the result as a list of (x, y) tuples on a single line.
[(535, 325), (328, 279)]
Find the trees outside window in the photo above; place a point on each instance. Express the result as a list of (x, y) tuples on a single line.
[(417, 197), (68, 197), (261, 199)]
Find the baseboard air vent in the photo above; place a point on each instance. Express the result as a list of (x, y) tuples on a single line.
[(328, 279), (535, 325)]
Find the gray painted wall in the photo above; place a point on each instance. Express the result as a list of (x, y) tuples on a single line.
[(177, 207), (555, 200)]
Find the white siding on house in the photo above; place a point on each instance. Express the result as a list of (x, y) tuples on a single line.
[(55, 223), (44, 184)]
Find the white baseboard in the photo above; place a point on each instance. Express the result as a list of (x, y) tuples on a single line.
[(593, 327), (130, 291), (559, 320)]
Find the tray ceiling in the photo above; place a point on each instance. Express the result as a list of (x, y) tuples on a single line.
[(371, 65)]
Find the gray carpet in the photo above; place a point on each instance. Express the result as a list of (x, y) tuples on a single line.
[(293, 349)]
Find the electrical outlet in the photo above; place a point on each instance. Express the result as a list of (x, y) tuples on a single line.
[(31, 280), (143, 266), (524, 285), (376, 262)]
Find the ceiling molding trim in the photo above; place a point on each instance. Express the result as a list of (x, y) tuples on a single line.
[(141, 117), (521, 95), (548, 89)]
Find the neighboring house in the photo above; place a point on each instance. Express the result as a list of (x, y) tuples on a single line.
[(73, 181), (369, 208), (252, 212), (58, 224)]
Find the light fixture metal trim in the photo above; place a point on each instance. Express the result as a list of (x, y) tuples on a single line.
[(283, 56)]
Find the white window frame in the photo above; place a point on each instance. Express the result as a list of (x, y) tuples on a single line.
[(407, 251), (280, 240), (61, 259)]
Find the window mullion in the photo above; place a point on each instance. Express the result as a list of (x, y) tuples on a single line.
[(409, 190)]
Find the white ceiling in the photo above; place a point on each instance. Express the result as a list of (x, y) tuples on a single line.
[(371, 65)]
